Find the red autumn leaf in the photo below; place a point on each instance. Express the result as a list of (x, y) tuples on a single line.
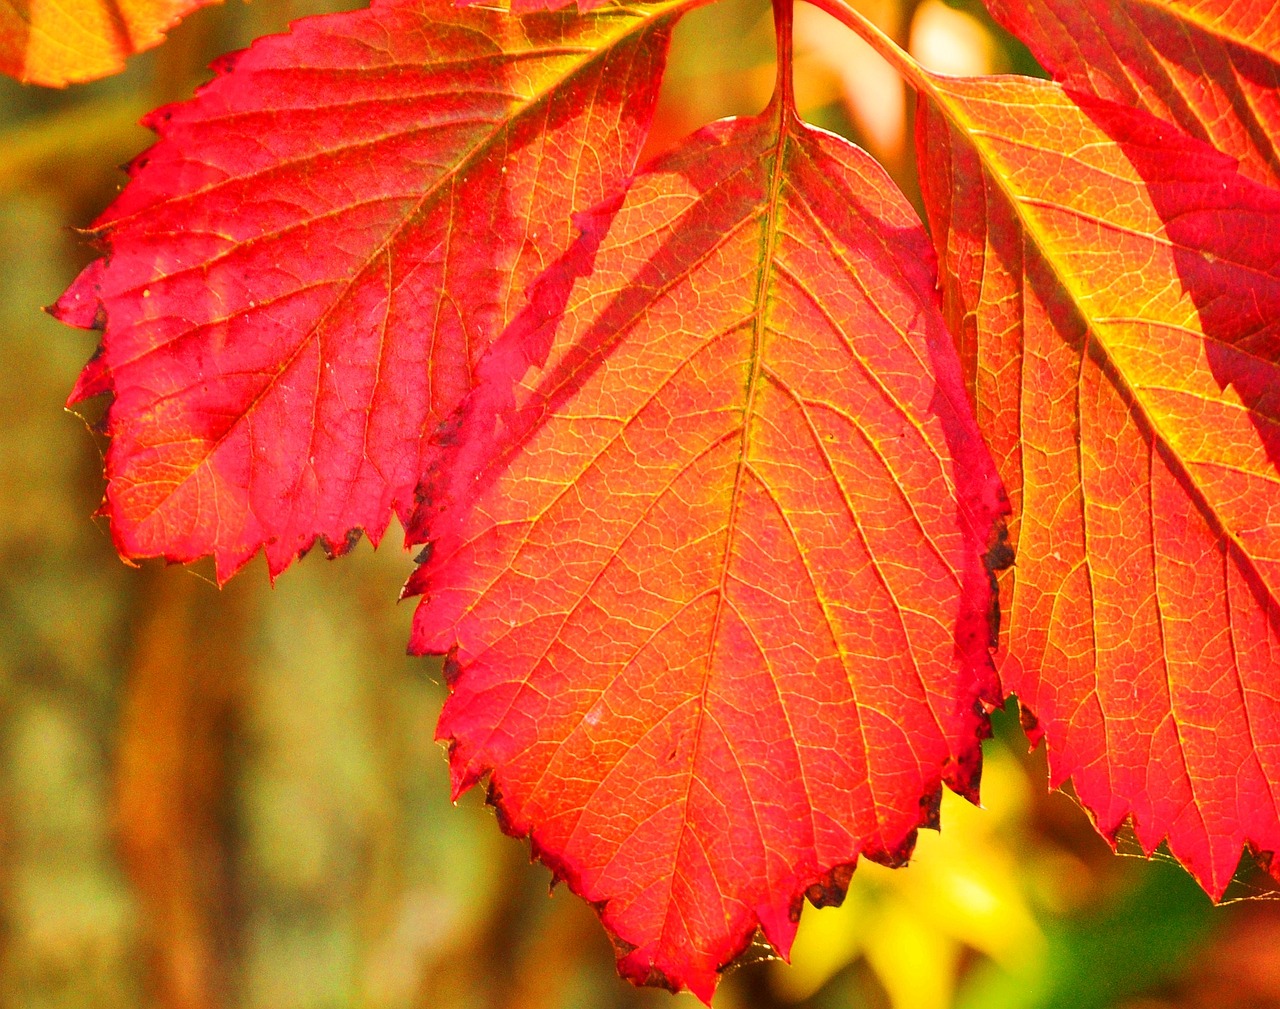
[(1211, 66), (713, 591), (303, 271), (81, 40), (709, 530), (1115, 287), (532, 6)]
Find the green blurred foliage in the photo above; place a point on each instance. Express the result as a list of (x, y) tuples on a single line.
[(233, 800)]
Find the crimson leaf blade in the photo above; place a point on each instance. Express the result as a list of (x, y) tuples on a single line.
[(304, 270)]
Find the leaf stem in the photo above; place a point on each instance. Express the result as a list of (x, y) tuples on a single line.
[(784, 85)]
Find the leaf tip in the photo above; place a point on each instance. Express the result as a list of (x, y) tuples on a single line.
[(80, 304), (637, 968), (94, 380), (894, 856), (962, 771)]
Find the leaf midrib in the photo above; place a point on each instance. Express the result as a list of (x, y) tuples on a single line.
[(770, 231)]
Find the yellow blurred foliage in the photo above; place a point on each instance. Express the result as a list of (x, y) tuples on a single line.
[(964, 890)]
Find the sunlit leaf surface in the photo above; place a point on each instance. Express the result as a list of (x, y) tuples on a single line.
[(303, 272), (713, 593), (1115, 287), (81, 40)]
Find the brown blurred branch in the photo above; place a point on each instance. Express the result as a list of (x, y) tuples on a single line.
[(181, 699)]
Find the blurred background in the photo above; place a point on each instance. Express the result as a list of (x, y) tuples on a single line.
[(231, 799)]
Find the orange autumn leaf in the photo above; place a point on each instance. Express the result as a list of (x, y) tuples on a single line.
[(1210, 66), (713, 592), (1115, 289), (304, 270), (67, 43)]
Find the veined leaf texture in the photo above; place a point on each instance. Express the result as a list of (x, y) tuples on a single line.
[(700, 453), (1211, 67), (307, 267), (1133, 398), (725, 554), (81, 40)]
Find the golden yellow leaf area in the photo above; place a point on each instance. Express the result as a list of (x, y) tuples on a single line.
[(59, 42)]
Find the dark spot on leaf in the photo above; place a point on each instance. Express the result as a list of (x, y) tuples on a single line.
[(999, 551), (673, 750), (621, 947), (658, 979), (333, 550), (829, 891), (897, 856), (930, 809), (451, 668), (963, 771), (493, 797), (446, 432), (226, 63), (998, 557)]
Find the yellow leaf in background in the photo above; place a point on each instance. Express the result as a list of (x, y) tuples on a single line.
[(965, 888)]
